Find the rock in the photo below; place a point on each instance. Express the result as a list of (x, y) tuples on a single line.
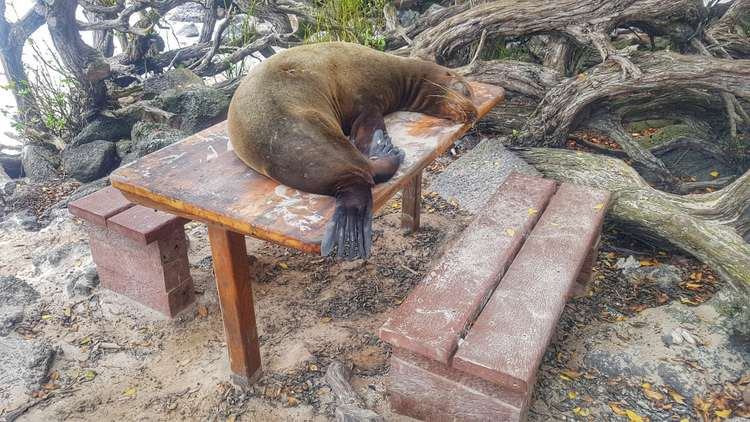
[(24, 363), (198, 108), (104, 128), (473, 178), (40, 163), (178, 79), (11, 162), (90, 161), (124, 147), (636, 347), (150, 137), (7, 185), (407, 18), (628, 263), (83, 283), (189, 12), (188, 30), (664, 275), (15, 295)]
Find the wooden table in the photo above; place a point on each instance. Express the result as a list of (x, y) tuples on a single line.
[(200, 178)]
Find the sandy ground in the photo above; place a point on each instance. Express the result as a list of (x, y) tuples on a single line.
[(118, 360)]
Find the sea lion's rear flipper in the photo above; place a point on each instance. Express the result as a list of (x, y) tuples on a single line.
[(350, 229)]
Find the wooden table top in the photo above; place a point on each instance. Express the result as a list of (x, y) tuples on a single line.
[(200, 178)]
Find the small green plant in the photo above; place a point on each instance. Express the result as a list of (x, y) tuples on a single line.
[(358, 21)]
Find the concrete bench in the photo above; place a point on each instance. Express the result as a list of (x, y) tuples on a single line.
[(200, 178), (139, 252), (468, 340)]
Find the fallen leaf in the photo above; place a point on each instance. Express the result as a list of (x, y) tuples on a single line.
[(46, 317), (130, 392), (677, 397), (633, 417), (617, 409), (572, 395), (648, 262), (533, 211), (714, 174), (89, 375), (598, 206), (652, 394), (723, 414), (570, 374), (202, 311), (510, 232), (693, 286), (283, 266), (581, 411)]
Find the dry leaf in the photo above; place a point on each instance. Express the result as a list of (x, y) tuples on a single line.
[(572, 395), (283, 266), (569, 375), (202, 311), (130, 392), (581, 411), (89, 375), (677, 397), (633, 417), (723, 414), (652, 394), (617, 409), (648, 262), (533, 211), (598, 206), (714, 174), (510, 232)]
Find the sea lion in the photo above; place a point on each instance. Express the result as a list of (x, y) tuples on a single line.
[(311, 117)]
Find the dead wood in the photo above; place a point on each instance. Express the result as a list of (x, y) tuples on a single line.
[(708, 226), (562, 107), (586, 22), (349, 406)]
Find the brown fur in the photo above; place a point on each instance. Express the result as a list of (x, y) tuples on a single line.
[(292, 116)]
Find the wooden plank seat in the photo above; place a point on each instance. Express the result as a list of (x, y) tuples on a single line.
[(138, 252), (468, 340), (200, 178)]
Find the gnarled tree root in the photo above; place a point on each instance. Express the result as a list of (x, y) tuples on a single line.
[(708, 226)]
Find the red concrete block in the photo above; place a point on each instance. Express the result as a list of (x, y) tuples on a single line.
[(99, 206), (419, 389), (168, 303), (437, 313), (585, 278), (132, 260), (143, 224), (508, 339)]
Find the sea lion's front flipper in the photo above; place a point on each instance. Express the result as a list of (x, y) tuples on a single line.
[(350, 229)]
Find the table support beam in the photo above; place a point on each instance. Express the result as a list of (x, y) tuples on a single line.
[(411, 203), (232, 271)]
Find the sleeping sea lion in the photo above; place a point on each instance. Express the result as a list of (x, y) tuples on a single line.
[(311, 117)]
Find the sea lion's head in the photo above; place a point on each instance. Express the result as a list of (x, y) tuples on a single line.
[(452, 96)]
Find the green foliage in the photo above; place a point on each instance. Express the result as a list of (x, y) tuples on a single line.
[(357, 21)]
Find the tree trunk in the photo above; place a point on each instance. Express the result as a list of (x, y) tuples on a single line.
[(12, 39), (708, 226), (84, 62)]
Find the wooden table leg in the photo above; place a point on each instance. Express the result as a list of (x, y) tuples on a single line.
[(232, 271), (411, 203)]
